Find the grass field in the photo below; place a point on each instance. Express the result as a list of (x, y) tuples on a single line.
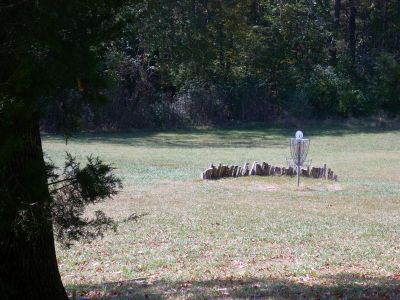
[(253, 237)]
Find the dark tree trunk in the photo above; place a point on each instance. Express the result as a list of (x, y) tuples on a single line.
[(332, 55), (337, 11), (193, 8), (254, 13), (332, 50), (28, 265), (352, 34), (220, 42), (206, 12), (384, 24)]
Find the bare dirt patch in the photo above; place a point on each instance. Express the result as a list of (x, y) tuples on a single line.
[(267, 188), (335, 187)]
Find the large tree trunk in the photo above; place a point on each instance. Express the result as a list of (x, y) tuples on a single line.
[(28, 265)]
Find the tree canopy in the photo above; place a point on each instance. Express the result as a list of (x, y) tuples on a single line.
[(203, 61)]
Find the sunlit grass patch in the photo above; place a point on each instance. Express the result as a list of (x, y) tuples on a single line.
[(242, 237)]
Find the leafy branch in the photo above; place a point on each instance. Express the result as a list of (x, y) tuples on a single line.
[(72, 190)]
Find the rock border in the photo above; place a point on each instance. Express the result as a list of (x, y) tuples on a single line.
[(265, 169)]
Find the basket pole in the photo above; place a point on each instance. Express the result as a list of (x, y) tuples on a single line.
[(298, 161)]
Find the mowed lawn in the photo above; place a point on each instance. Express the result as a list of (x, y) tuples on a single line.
[(253, 237)]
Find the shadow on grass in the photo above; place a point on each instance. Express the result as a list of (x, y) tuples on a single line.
[(341, 286), (244, 135)]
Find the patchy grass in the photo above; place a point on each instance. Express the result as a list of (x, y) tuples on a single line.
[(249, 237)]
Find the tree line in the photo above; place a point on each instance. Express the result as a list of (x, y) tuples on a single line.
[(194, 62)]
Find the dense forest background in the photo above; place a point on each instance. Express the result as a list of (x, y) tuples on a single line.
[(201, 62)]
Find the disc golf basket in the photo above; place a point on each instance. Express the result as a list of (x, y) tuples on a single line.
[(291, 163), (298, 151)]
